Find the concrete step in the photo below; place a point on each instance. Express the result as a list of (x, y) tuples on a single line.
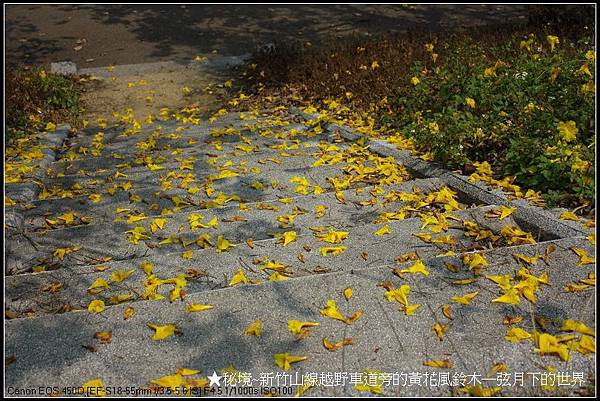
[(57, 351), (111, 236), (114, 132), (192, 137), (202, 161), (202, 164), (133, 160), (50, 334), (27, 293), (274, 182), (189, 135)]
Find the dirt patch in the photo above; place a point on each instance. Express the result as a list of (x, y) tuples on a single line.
[(137, 33), (147, 92)]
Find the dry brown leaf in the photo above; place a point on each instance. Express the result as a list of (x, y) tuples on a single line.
[(89, 348), (129, 312), (53, 288), (447, 311), (510, 320), (407, 256), (452, 267), (104, 337), (334, 347)]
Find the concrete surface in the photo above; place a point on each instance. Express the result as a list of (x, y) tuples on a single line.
[(50, 334)]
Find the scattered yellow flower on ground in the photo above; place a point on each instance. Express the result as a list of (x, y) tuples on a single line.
[(254, 329), (94, 388), (284, 360), (162, 332), (238, 278), (465, 299), (198, 307), (96, 306), (296, 326), (223, 244), (569, 216), (417, 267), (516, 334), (383, 230)]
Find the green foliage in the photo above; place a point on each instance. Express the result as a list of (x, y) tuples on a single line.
[(35, 97), (495, 94), (521, 91)]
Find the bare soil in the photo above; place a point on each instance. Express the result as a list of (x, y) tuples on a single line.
[(100, 35), (148, 92), (113, 34)]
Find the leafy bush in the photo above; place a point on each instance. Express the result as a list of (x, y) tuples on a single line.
[(36, 97), (530, 113), (519, 97)]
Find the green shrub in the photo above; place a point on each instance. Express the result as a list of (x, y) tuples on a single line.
[(36, 97), (495, 94), (472, 106)]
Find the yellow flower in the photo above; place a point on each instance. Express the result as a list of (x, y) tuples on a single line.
[(429, 47), (490, 72), (284, 360), (526, 44), (253, 329), (470, 102), (415, 81), (588, 87), (529, 108), (434, 127), (568, 131), (42, 74), (584, 69), (552, 41), (579, 165), (96, 306), (94, 387), (590, 55)]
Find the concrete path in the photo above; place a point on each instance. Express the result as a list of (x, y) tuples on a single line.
[(410, 280)]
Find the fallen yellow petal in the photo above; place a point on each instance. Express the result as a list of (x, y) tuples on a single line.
[(162, 332), (465, 299), (96, 306), (198, 307), (253, 329), (284, 360)]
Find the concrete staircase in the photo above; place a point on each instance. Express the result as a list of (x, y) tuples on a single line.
[(253, 179)]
